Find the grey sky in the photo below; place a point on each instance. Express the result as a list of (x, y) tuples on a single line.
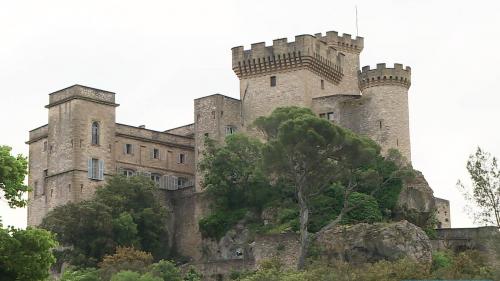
[(160, 55)]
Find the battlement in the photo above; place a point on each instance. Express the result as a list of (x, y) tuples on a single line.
[(384, 76), (305, 52), (82, 93), (342, 43)]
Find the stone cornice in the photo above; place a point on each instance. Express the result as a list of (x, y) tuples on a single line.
[(289, 62)]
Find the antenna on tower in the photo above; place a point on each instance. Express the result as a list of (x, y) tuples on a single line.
[(357, 30)]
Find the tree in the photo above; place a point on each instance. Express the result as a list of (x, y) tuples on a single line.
[(125, 212), (13, 170), (125, 258), (310, 154), (26, 254), (234, 180), (484, 196)]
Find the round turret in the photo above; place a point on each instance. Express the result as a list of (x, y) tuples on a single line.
[(384, 115)]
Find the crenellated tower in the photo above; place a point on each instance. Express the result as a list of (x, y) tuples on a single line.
[(285, 74), (384, 115), (350, 48)]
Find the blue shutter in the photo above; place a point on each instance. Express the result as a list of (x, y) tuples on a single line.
[(89, 167), (101, 169)]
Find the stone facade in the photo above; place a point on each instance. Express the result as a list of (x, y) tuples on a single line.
[(320, 72), (443, 212), (61, 152)]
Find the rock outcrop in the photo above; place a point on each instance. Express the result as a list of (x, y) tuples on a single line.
[(416, 201), (364, 242)]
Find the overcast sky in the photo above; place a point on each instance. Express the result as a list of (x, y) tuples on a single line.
[(160, 55)]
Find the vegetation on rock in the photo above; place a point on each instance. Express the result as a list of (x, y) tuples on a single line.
[(467, 265), (314, 173)]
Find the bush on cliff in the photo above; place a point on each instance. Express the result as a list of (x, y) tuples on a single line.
[(243, 173)]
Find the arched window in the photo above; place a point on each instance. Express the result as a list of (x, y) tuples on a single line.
[(95, 133)]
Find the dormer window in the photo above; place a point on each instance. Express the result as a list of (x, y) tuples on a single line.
[(95, 133)]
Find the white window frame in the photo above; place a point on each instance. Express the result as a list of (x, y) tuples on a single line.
[(157, 178), (128, 172), (95, 169)]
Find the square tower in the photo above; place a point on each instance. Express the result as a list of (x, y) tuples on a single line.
[(70, 156)]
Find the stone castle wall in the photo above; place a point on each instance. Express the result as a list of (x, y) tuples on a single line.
[(320, 72), (60, 151), (443, 212)]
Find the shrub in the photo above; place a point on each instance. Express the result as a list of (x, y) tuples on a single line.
[(166, 270), (366, 209), (126, 276), (218, 223), (192, 275), (87, 274), (125, 259), (441, 259)]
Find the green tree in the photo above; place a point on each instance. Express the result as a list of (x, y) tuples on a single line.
[(484, 196), (233, 174), (166, 270), (310, 154), (13, 170), (125, 212), (234, 180), (26, 254)]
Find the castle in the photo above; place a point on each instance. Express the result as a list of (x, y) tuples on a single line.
[(82, 144)]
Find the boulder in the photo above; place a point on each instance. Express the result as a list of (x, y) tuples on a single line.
[(416, 201), (362, 243)]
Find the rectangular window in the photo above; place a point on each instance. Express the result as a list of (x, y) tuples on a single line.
[(96, 169), (156, 178), (322, 115), (182, 158), (128, 173), (273, 81), (45, 173), (127, 148), (155, 153), (230, 130), (45, 145), (181, 182), (322, 84), (330, 116)]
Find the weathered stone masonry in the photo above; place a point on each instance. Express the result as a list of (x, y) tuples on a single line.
[(321, 72)]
